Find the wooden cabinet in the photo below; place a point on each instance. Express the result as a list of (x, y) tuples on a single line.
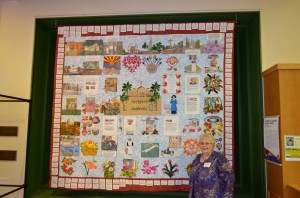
[(282, 97)]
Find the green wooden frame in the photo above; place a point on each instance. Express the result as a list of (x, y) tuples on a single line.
[(249, 159)]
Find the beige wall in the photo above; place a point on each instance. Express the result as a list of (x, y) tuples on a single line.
[(280, 43)]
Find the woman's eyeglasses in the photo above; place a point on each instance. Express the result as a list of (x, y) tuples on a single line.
[(205, 143)]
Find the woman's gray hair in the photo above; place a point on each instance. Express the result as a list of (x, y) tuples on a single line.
[(208, 136)]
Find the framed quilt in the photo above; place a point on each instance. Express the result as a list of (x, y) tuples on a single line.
[(131, 100)]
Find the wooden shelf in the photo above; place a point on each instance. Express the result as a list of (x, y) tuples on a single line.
[(282, 97), (293, 190), (281, 67)]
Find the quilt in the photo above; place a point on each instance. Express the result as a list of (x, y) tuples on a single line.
[(131, 100)]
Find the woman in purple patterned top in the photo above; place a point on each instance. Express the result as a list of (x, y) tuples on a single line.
[(211, 174)]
